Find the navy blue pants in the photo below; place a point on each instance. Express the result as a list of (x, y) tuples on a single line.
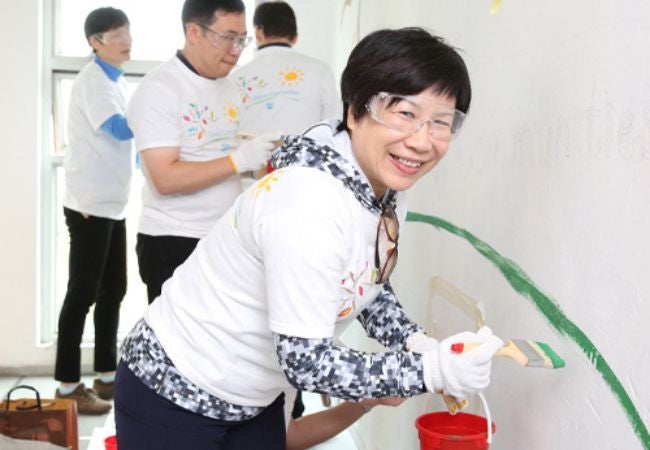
[(146, 421), (97, 275)]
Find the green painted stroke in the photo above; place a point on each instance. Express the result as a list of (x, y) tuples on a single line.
[(553, 313)]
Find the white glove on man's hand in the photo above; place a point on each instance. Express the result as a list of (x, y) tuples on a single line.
[(253, 154), (458, 374)]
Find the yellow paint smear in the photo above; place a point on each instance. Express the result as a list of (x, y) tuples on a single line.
[(496, 5)]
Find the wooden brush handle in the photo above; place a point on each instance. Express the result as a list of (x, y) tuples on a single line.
[(453, 405), (509, 350)]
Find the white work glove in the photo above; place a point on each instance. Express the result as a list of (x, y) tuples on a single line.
[(457, 374), (252, 155)]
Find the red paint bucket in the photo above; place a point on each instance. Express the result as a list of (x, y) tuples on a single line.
[(442, 431), (110, 443)]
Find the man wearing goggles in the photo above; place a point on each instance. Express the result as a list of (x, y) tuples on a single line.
[(185, 117)]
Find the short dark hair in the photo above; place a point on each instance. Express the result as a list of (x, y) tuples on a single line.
[(202, 11), (276, 19), (406, 61), (101, 20)]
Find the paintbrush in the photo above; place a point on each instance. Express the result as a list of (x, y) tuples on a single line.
[(525, 353), (453, 405)]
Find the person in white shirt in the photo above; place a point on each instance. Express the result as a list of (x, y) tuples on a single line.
[(185, 117), (97, 167), (187, 104), (283, 89), (258, 307)]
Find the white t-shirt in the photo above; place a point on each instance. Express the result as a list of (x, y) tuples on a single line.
[(286, 91), (294, 255), (97, 166), (175, 107)]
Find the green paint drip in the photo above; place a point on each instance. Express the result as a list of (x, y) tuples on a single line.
[(553, 313)]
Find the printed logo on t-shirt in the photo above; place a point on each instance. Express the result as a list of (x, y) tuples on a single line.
[(257, 92), (198, 120), (291, 76), (264, 185), (207, 125), (261, 186), (231, 111), (251, 84), (353, 287)]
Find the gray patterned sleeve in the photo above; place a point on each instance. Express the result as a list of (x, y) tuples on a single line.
[(318, 366), (385, 320)]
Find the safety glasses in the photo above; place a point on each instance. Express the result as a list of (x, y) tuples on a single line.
[(226, 41), (386, 244), (408, 113), (115, 37)]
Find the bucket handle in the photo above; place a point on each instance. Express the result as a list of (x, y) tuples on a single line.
[(486, 409), (488, 416)]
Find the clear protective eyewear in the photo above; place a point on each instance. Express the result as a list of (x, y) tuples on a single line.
[(226, 41), (386, 244), (115, 37), (407, 114)]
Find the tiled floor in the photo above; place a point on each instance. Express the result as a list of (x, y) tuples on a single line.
[(100, 425)]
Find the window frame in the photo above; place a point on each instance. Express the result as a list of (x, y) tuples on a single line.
[(55, 69)]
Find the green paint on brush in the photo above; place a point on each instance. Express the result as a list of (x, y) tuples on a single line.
[(556, 360), (553, 313)]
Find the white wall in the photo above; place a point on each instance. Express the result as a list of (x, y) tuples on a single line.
[(20, 123), (315, 23), (552, 170)]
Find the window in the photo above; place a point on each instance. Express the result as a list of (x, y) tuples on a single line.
[(157, 33)]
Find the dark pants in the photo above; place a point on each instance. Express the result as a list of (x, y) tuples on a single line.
[(97, 274), (158, 257), (146, 421)]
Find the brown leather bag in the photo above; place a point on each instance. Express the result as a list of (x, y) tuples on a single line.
[(52, 421)]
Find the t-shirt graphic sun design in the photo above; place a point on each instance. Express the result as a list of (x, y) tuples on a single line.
[(256, 90)]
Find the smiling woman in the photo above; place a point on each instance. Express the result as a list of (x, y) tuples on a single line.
[(301, 255)]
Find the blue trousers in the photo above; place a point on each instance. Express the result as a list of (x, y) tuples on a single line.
[(146, 421)]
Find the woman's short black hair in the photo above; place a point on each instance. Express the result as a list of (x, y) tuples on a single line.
[(406, 61), (276, 19), (202, 11), (102, 20)]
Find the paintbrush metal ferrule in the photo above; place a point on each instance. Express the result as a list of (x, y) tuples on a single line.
[(534, 355)]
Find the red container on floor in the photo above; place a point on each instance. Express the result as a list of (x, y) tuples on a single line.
[(442, 431), (110, 443)]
